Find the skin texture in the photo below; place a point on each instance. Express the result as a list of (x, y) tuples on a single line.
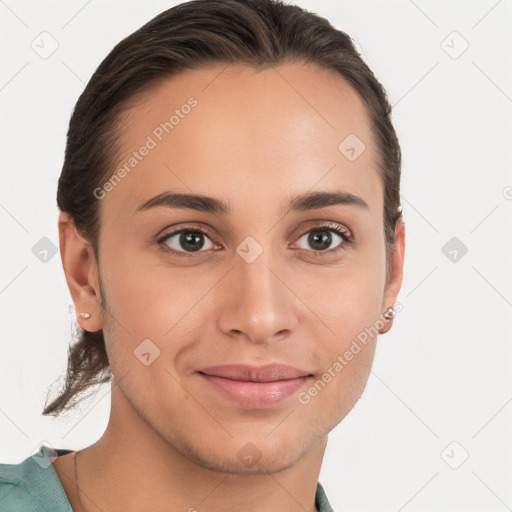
[(254, 141)]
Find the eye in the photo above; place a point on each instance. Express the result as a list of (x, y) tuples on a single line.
[(189, 240), (321, 239), (186, 241)]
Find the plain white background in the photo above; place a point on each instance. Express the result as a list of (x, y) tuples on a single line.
[(440, 389)]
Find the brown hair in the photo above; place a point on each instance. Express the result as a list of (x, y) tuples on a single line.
[(258, 33)]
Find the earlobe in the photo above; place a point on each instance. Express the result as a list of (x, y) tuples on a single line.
[(387, 318), (81, 272)]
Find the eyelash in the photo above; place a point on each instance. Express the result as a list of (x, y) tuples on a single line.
[(327, 226)]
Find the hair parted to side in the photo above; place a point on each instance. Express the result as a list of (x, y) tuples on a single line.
[(192, 35)]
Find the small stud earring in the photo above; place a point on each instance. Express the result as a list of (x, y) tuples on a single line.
[(85, 315), (390, 313)]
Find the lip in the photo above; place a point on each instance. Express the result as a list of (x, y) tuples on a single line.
[(255, 387)]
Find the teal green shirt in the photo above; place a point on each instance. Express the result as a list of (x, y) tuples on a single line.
[(34, 486)]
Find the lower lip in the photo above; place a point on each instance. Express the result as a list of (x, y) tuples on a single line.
[(255, 395)]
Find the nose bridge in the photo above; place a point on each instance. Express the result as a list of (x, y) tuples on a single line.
[(256, 277)]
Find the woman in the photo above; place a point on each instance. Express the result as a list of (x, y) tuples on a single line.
[(231, 235)]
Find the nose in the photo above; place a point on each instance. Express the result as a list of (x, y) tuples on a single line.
[(259, 305)]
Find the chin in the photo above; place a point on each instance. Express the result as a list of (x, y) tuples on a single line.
[(268, 463), (250, 457)]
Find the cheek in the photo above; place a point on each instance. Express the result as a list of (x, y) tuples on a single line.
[(347, 349), (143, 293), (151, 300), (348, 310), (348, 299), (345, 341), (333, 394)]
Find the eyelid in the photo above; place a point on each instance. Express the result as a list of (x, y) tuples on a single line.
[(182, 225)]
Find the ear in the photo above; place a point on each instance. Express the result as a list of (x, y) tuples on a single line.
[(81, 271), (396, 274)]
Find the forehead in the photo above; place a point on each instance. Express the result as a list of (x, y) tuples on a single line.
[(236, 133)]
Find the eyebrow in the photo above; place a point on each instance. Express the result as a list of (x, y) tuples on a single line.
[(200, 203)]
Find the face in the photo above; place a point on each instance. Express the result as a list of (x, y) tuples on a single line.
[(281, 262)]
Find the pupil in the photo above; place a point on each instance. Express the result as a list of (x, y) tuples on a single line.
[(191, 241)]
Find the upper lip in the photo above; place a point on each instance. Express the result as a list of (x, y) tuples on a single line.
[(244, 372)]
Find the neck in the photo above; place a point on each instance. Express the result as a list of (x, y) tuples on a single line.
[(132, 467)]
